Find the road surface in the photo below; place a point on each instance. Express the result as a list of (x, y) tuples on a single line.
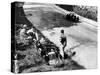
[(82, 36)]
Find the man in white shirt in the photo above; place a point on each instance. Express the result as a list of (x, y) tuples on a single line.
[(23, 35)]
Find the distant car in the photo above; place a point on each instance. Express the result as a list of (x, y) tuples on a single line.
[(72, 17)]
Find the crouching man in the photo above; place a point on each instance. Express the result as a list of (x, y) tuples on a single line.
[(32, 35)]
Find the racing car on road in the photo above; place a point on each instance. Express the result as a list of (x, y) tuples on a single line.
[(72, 17)]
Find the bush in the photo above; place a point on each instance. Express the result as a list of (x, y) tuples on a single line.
[(86, 11)]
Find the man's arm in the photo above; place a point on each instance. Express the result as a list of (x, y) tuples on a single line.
[(36, 36)]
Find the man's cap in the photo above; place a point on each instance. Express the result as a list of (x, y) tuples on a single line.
[(62, 31)]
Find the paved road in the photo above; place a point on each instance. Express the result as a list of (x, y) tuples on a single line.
[(83, 35)]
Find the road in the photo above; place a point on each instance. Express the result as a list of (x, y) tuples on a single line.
[(82, 36)]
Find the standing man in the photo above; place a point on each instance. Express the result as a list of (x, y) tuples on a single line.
[(63, 41), (33, 36)]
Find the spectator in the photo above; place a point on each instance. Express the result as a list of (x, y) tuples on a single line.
[(32, 35), (63, 41), (23, 34)]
